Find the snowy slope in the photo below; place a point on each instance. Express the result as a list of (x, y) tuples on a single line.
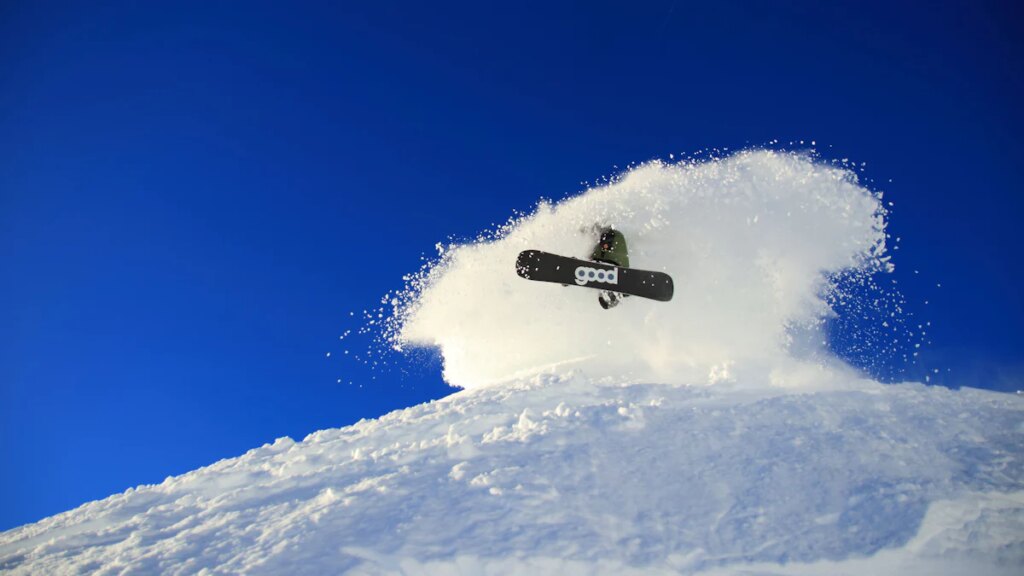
[(716, 434), (569, 476)]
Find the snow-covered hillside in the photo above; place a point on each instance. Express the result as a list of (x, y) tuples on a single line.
[(715, 434), (570, 476)]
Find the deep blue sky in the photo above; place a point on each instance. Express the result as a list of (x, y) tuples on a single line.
[(193, 196)]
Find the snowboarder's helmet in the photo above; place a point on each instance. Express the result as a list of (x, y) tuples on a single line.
[(607, 240)]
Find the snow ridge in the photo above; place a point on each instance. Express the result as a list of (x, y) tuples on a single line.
[(564, 475)]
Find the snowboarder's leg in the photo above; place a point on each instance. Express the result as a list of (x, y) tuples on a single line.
[(610, 249)]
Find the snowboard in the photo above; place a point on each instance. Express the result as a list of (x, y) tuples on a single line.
[(547, 267)]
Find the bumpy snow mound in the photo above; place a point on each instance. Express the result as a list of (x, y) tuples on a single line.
[(749, 239), (567, 476)]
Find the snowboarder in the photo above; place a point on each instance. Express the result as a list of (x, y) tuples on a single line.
[(607, 270), (611, 249)]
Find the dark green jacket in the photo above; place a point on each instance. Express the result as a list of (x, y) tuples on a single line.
[(611, 248)]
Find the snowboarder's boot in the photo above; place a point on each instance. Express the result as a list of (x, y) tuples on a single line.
[(608, 299)]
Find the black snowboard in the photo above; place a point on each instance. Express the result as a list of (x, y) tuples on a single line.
[(547, 267)]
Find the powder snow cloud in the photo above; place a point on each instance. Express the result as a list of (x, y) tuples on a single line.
[(751, 241)]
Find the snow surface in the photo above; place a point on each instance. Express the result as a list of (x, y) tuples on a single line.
[(711, 435), (571, 476)]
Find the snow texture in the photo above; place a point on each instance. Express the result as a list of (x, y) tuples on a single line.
[(710, 435), (570, 476)]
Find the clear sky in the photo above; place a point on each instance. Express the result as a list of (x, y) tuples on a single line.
[(194, 196)]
